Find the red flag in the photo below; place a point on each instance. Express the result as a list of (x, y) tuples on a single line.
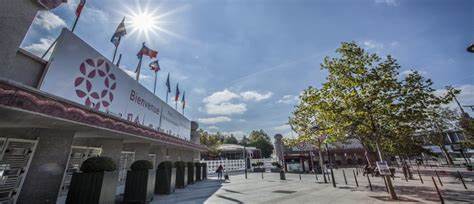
[(147, 51), (79, 8), (176, 98)]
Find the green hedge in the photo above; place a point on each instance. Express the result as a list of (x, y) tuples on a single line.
[(98, 164), (141, 165)]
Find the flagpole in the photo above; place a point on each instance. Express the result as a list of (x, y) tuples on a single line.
[(167, 96), (49, 48), (75, 23), (154, 87), (118, 61), (115, 50), (138, 68)]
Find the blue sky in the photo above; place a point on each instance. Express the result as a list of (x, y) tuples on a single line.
[(243, 63)]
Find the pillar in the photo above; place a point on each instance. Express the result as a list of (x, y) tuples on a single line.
[(141, 150), (45, 174), (195, 137)]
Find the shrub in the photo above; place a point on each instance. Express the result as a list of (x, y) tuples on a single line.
[(190, 164), (98, 164), (165, 164), (141, 165), (180, 164)]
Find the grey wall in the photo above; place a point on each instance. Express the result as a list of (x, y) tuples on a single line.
[(16, 17)]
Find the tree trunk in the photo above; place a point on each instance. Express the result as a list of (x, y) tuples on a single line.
[(449, 160)]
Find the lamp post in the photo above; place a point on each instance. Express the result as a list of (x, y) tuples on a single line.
[(471, 48), (245, 160)]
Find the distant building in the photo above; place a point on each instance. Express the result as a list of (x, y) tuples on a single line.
[(304, 157), (233, 151)]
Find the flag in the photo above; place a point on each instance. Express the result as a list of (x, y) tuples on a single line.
[(79, 8), (50, 4), (147, 51), (154, 66), (176, 98), (183, 99), (119, 32), (168, 85)]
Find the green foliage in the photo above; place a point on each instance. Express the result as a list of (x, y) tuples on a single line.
[(261, 140), (141, 165), (230, 140), (179, 164), (244, 141), (165, 165), (98, 164), (364, 98)]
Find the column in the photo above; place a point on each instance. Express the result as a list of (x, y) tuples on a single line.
[(47, 167)]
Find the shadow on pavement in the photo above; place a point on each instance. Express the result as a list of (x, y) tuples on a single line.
[(194, 193)]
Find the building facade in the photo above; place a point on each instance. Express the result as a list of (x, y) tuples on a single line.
[(45, 136)]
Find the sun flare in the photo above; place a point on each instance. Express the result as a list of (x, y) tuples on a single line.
[(143, 22)]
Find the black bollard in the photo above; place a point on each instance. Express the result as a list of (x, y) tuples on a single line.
[(370, 184), (439, 179), (282, 175), (316, 175), (437, 190), (355, 178), (462, 180), (262, 174), (344, 174), (419, 175), (300, 176)]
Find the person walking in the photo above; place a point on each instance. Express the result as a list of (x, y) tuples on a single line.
[(219, 172)]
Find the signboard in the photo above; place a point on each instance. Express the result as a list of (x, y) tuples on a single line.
[(79, 73), (383, 168)]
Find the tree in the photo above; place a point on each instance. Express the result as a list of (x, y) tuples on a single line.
[(261, 140), (244, 141), (230, 140)]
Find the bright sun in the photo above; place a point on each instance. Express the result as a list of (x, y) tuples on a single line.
[(143, 22)]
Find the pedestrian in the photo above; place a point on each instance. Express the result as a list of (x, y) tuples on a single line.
[(219, 172)]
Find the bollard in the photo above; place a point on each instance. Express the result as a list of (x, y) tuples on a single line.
[(344, 174), (419, 175), (370, 184), (439, 179), (316, 175), (262, 175), (282, 175), (462, 180), (355, 178), (300, 176), (437, 190)]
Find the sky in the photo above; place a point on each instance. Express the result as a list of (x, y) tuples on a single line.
[(243, 63)]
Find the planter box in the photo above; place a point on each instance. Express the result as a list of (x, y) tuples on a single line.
[(258, 169), (139, 186), (191, 173), (181, 177), (198, 171), (92, 188), (165, 180), (204, 171)]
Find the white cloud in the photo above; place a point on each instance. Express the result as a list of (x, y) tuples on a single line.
[(371, 44), (40, 47), (48, 20), (288, 99), (199, 91), (407, 72), (220, 97), (212, 127), (388, 2), (282, 127), (253, 95), (214, 120), (225, 108), (466, 97), (238, 134)]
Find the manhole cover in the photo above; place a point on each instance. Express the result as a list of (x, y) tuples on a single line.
[(282, 191)]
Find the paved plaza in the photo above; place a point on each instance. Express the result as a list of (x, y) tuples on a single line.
[(271, 189)]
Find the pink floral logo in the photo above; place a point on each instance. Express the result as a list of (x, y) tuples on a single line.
[(96, 83)]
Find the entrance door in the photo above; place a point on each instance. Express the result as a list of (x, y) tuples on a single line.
[(15, 158)]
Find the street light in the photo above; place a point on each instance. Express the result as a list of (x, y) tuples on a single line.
[(471, 48)]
